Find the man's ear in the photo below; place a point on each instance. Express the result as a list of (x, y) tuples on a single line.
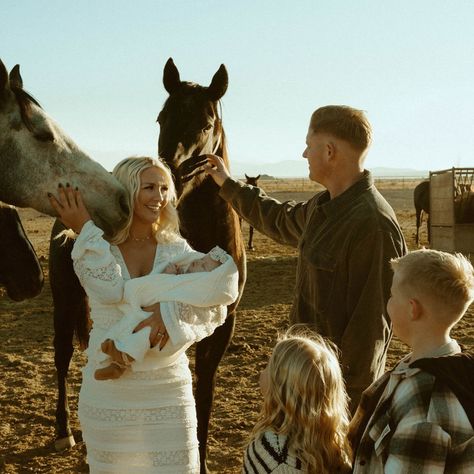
[(330, 149), (416, 309)]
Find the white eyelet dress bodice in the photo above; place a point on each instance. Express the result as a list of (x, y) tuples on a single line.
[(144, 421)]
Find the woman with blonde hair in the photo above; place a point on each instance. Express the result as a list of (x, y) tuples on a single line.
[(304, 418), (144, 421)]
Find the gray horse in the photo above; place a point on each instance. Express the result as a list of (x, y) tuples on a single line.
[(36, 155)]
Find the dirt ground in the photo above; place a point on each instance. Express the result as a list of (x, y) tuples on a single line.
[(28, 383)]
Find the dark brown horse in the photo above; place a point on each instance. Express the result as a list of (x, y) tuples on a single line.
[(20, 270), (252, 180), (421, 198), (464, 207), (70, 316), (190, 126)]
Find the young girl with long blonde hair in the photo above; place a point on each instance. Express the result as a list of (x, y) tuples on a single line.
[(304, 419)]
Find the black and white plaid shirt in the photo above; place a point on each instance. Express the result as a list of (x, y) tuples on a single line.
[(418, 426)]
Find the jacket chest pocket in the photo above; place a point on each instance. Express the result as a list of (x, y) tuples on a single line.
[(318, 278)]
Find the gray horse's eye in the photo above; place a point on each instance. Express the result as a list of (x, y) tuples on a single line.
[(44, 136)]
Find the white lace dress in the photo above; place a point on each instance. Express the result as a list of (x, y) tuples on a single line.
[(145, 421)]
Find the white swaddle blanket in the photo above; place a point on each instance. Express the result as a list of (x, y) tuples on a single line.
[(201, 289)]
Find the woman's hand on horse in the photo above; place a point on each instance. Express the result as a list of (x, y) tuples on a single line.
[(70, 207), (158, 334), (217, 169)]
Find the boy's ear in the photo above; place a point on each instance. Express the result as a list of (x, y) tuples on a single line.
[(416, 309)]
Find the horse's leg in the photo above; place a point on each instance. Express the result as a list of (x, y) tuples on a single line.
[(418, 216), (250, 245), (69, 302), (209, 353)]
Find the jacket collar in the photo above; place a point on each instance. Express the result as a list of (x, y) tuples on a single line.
[(340, 203)]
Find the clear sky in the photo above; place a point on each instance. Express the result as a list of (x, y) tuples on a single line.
[(96, 67)]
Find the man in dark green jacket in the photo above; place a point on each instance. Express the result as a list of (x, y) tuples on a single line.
[(346, 237)]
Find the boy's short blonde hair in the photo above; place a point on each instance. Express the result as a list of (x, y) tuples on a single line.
[(444, 278), (344, 122)]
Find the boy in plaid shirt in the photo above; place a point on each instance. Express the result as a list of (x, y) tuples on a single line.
[(419, 417)]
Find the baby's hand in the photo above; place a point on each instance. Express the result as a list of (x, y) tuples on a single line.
[(171, 269)]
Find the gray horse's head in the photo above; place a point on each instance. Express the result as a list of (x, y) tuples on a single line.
[(36, 155)]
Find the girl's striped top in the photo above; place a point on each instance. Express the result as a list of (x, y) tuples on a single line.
[(269, 454)]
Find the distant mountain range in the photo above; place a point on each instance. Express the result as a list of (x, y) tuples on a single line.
[(281, 169), (299, 169)]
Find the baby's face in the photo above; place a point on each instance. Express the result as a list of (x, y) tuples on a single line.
[(204, 264)]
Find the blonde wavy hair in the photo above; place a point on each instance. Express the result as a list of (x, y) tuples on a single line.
[(128, 172), (307, 401)]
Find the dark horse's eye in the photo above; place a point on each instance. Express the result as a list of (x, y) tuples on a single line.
[(207, 127)]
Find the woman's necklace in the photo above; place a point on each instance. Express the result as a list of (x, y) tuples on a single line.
[(142, 239)]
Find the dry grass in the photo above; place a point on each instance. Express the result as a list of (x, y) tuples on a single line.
[(306, 185)]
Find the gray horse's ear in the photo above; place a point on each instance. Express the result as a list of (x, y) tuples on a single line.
[(15, 78), (171, 79), (3, 77), (219, 84)]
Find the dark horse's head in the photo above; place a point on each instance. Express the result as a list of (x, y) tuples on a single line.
[(20, 270), (190, 124)]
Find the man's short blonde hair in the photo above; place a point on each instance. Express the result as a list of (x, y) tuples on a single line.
[(444, 278), (344, 122)]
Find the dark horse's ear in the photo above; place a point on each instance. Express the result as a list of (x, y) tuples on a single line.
[(171, 79), (15, 78), (257, 178), (3, 77), (246, 177), (219, 84)]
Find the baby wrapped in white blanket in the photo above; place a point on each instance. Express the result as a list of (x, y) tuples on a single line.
[(208, 281)]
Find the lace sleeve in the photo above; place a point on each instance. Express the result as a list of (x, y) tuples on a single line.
[(96, 267), (186, 323)]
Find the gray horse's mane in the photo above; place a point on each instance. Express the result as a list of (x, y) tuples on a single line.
[(24, 101)]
